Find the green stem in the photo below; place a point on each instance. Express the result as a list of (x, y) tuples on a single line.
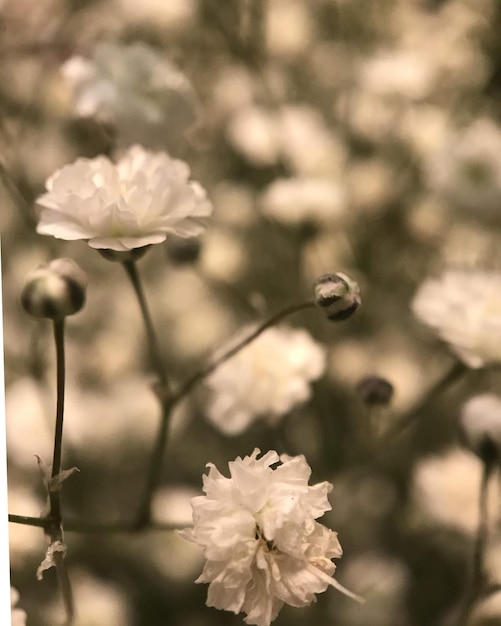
[(478, 570), (207, 369), (88, 527), (457, 371), (144, 513), (65, 587), (58, 436), (169, 400), (157, 457), (56, 531), (153, 346), (155, 468)]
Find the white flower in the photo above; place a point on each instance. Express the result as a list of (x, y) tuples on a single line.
[(266, 379), (293, 200), (18, 616), (398, 73), (466, 169), (445, 492), (464, 308), (134, 203), (146, 97), (263, 546), (480, 422)]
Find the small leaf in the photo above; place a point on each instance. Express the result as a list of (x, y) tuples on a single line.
[(49, 560), (56, 482)]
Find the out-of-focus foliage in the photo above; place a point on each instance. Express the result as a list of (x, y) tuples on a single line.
[(332, 135)]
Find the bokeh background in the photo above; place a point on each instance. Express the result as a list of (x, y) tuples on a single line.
[(386, 117)]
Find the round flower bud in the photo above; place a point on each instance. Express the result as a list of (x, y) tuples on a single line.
[(480, 426), (54, 290), (337, 295), (182, 250), (375, 390)]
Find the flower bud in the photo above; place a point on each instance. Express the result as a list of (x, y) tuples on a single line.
[(375, 390), (182, 250), (480, 426), (54, 290), (337, 295)]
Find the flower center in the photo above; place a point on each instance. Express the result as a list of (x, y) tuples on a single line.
[(260, 537)]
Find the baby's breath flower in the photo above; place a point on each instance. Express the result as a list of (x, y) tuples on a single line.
[(445, 492), (299, 199), (466, 170), (143, 95), (131, 204), (265, 379), (258, 531), (464, 309)]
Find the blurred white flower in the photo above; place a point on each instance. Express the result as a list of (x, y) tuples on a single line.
[(487, 612), (143, 95), (136, 202), (98, 601), (383, 580), (446, 490), (294, 200), (265, 379), (18, 616), (258, 531), (480, 422), (298, 134), (464, 308), (289, 27), (175, 15), (398, 73), (309, 146), (466, 169), (252, 131)]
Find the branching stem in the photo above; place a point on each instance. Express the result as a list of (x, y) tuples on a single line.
[(452, 375)]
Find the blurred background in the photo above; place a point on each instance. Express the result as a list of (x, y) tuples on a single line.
[(354, 136)]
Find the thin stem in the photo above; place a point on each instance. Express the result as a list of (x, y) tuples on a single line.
[(457, 371), (65, 587), (153, 346), (54, 496), (169, 400), (91, 527), (60, 383), (155, 468), (207, 369), (169, 403), (39, 522), (157, 457), (56, 532), (478, 570)]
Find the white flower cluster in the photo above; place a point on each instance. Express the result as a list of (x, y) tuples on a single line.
[(464, 308), (466, 169), (146, 97), (136, 202), (258, 531), (265, 379), (294, 200)]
